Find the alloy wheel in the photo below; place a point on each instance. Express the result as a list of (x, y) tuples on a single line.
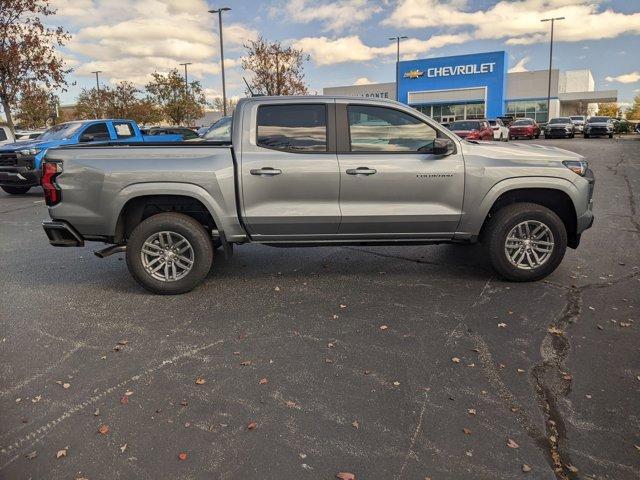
[(529, 245), (167, 256)]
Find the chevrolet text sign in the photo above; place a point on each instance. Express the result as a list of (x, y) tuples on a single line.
[(455, 75), (471, 69)]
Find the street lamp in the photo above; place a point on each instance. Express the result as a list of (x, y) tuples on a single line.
[(552, 20), (397, 39), (186, 75), (224, 91), (97, 73)]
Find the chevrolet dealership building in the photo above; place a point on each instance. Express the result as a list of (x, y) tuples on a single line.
[(479, 86)]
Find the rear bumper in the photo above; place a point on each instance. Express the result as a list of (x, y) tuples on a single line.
[(62, 234), (19, 177)]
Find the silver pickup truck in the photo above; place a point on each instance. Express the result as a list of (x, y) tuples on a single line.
[(300, 171)]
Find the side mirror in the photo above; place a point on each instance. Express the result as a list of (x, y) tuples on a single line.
[(86, 137), (443, 146)]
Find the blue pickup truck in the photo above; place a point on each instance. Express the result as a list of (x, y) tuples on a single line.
[(20, 162)]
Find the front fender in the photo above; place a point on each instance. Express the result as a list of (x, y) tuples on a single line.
[(475, 213)]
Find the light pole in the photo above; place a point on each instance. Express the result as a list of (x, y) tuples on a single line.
[(552, 20), (186, 75), (97, 73), (397, 39), (224, 91)]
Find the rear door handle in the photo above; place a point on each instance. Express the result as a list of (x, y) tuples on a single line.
[(266, 171), (361, 171)]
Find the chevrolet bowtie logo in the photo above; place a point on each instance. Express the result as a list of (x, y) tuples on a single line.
[(413, 74)]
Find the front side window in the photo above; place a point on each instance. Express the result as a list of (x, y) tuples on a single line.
[(381, 129), (296, 128), (123, 130), (96, 132)]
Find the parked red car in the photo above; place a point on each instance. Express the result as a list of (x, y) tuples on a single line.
[(472, 129), (524, 127)]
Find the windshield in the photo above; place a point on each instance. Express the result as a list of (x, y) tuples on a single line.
[(559, 120), (219, 131), (464, 126), (598, 119), (577, 118), (523, 122), (60, 132)]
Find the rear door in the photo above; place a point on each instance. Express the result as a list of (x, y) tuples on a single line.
[(289, 170), (391, 185)]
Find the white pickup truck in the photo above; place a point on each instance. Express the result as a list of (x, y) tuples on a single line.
[(6, 135), (301, 171)]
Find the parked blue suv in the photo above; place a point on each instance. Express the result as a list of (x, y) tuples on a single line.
[(21, 162)]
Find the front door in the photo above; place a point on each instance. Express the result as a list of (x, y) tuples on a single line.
[(391, 185), (290, 176)]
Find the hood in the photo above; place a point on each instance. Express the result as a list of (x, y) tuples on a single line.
[(515, 151), (598, 124), (12, 147), (516, 127)]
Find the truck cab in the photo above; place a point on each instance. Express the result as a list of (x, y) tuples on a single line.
[(21, 162)]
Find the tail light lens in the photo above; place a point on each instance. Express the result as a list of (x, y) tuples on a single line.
[(52, 192)]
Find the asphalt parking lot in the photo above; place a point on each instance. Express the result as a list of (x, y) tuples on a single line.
[(388, 363)]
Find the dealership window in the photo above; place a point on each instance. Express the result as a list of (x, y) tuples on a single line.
[(536, 109), (299, 128), (378, 129), (451, 112)]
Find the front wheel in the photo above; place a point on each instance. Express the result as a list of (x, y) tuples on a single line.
[(16, 190), (611, 135), (525, 242), (169, 253)]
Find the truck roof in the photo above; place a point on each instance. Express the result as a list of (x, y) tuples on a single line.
[(320, 98)]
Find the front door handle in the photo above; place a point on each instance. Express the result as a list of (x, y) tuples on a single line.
[(361, 171), (266, 171)]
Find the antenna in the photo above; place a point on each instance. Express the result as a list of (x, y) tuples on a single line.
[(249, 87)]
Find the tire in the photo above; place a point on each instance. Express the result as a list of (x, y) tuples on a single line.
[(180, 227), (584, 135), (16, 190), (507, 220), (537, 136), (611, 135)]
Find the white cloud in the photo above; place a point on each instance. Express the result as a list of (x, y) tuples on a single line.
[(521, 66), (631, 77), (363, 81), (336, 16), (518, 21), (325, 51), (130, 43)]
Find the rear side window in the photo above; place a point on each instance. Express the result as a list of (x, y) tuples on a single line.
[(295, 128), (381, 129), (3, 136), (123, 130)]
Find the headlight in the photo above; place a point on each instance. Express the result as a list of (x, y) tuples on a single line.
[(577, 166), (29, 151)]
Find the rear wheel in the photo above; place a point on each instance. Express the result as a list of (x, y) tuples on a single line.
[(16, 190), (585, 135), (525, 242), (169, 253)]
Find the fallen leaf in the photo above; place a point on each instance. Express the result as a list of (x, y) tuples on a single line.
[(123, 448), (455, 360), (263, 381), (472, 411), (124, 400), (512, 444), (251, 425), (466, 431), (567, 377), (383, 327), (182, 456), (36, 399), (625, 324), (502, 325), (335, 317), (328, 360), (246, 363), (572, 469), (330, 345), (290, 404), (343, 306), (367, 372), (277, 289), (128, 393), (97, 412), (66, 385), (396, 383), (526, 468), (520, 370), (104, 429), (32, 455), (62, 453), (345, 476), (200, 381), (355, 424), (123, 342), (555, 330)]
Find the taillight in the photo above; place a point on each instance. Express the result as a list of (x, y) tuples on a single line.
[(474, 135), (52, 192)]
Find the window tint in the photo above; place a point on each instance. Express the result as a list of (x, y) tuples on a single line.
[(300, 128), (123, 130), (523, 122), (458, 126), (99, 131), (3, 136), (379, 129)]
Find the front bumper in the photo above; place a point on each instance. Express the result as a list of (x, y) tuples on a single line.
[(557, 133), (19, 177), (62, 234), (585, 221)]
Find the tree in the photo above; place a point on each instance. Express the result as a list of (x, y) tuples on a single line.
[(609, 110), (276, 70), (28, 50), (218, 104), (177, 102), (633, 113), (35, 106), (91, 103)]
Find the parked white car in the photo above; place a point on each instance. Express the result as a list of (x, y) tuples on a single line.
[(500, 131), (6, 135), (26, 135)]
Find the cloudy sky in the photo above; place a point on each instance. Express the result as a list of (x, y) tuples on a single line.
[(346, 39)]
